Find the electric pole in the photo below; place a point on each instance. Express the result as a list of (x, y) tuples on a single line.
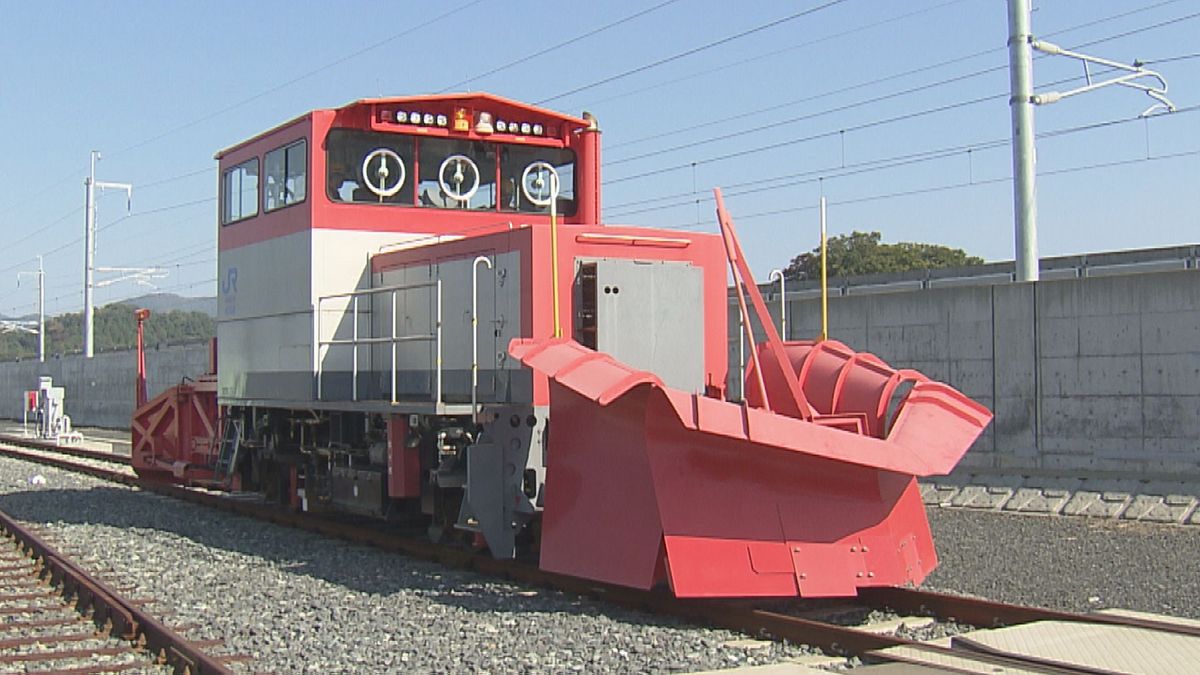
[(89, 249), (41, 329), (1020, 73), (1021, 45)]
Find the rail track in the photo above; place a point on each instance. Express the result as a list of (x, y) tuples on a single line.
[(794, 621), (67, 621)]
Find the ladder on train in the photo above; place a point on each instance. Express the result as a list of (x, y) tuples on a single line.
[(227, 456)]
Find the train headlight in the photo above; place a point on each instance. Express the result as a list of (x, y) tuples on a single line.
[(537, 130), (484, 124), (427, 119), (526, 128), (401, 117), (414, 117), (501, 126), (442, 121)]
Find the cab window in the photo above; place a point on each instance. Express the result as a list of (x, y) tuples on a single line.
[(239, 192), (286, 171), (527, 174), (369, 167), (365, 167), (457, 174)]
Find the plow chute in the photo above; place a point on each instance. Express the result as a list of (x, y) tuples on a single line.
[(808, 488), (173, 433), (646, 484)]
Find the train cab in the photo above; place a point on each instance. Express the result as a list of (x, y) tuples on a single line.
[(304, 205)]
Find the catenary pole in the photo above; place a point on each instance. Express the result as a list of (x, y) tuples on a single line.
[(89, 252), (41, 277), (1020, 69), (41, 326)]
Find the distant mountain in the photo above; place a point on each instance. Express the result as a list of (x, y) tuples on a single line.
[(166, 302), (115, 328)]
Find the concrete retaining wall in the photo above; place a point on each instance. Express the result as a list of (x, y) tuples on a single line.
[(100, 391), (1096, 375), (1089, 376)]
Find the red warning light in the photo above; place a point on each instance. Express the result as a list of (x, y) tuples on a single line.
[(462, 119)]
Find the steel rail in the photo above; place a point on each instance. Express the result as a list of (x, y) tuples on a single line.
[(732, 615), (986, 613), (76, 451), (126, 619)]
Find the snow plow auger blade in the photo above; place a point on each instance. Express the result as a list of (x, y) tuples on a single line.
[(646, 483), (806, 489)]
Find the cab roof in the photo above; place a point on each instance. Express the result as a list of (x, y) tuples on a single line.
[(475, 101)]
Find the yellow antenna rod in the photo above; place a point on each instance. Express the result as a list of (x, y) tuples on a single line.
[(824, 278), (554, 250)]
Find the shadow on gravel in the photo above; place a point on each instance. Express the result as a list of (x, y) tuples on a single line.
[(295, 552)]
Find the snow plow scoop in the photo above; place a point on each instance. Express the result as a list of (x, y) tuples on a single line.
[(806, 489), (648, 484)]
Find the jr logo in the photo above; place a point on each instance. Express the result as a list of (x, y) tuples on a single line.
[(229, 291)]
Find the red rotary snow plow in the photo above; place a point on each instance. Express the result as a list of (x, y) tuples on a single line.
[(175, 434), (805, 489)]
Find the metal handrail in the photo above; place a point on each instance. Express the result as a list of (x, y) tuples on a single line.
[(475, 330), (355, 341)]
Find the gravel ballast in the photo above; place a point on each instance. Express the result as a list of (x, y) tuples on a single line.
[(298, 602)]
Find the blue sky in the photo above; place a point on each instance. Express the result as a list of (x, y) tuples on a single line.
[(813, 104)]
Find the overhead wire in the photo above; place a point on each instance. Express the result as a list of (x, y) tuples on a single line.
[(891, 162), (735, 64), (443, 16), (763, 148), (1155, 26), (951, 186), (234, 106), (316, 71), (694, 50), (801, 139), (909, 90), (560, 45), (1170, 59), (974, 146), (814, 115), (251, 99), (77, 209), (45, 188), (880, 80), (138, 214), (823, 173)]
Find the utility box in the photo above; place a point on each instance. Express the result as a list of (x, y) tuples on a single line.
[(645, 314), (47, 405)]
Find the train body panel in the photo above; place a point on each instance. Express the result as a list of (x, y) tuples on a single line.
[(654, 321), (423, 318)]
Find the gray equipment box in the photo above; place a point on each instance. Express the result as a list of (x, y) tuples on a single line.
[(649, 315), (357, 490)]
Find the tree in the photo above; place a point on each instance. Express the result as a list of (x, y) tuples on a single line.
[(115, 328), (863, 253)]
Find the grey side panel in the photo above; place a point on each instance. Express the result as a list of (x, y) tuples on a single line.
[(650, 315), (499, 321), (264, 319)]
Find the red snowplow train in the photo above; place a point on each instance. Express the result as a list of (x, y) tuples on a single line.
[(423, 316)]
